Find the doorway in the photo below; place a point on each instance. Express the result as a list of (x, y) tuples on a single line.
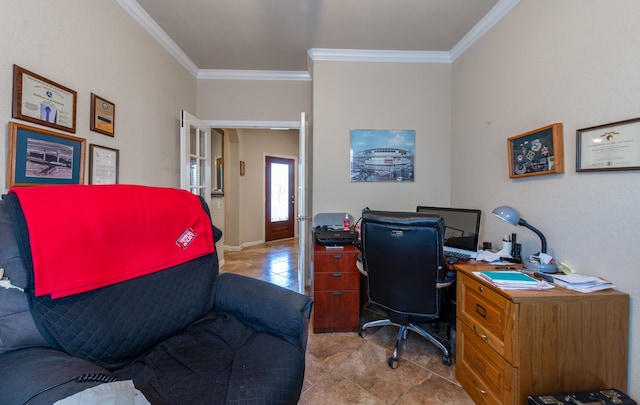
[(279, 198)]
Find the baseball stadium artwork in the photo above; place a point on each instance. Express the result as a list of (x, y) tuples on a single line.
[(382, 155)]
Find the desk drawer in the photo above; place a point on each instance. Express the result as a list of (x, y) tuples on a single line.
[(488, 377), (488, 314), (337, 261), (336, 281), (336, 311)]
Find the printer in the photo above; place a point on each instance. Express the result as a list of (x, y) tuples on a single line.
[(329, 231)]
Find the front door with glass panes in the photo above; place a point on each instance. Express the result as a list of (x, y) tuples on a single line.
[(280, 198)]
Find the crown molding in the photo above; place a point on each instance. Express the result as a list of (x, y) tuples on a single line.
[(320, 54), (253, 74), (366, 55), (144, 19), (283, 125), (485, 24)]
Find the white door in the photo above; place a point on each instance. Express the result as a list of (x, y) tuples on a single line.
[(195, 156), (305, 246)]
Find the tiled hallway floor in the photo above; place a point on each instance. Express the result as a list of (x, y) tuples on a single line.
[(343, 368)]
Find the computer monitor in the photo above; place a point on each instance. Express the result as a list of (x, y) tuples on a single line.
[(462, 228)]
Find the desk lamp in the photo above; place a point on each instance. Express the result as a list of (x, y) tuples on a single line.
[(510, 215)]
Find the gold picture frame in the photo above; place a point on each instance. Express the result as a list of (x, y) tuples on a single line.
[(38, 156), (41, 101), (536, 152)]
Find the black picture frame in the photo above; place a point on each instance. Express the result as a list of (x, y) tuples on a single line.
[(609, 147)]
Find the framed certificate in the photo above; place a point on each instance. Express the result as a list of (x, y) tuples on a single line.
[(41, 101), (614, 146), (536, 152), (103, 115), (38, 156), (103, 165)]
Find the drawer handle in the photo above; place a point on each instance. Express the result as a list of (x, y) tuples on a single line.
[(337, 274), (337, 256), (480, 289), (481, 310), (477, 332), (483, 392), (336, 293)]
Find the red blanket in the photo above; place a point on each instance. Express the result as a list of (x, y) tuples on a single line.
[(86, 237)]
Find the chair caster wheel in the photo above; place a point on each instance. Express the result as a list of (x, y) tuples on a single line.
[(446, 360), (393, 363), (362, 333)]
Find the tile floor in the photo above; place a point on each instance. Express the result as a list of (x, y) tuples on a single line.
[(343, 368)]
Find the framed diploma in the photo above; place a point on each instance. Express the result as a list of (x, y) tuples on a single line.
[(614, 146), (38, 156), (103, 115), (536, 152), (41, 101), (103, 165)]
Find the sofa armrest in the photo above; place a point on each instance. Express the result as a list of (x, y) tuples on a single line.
[(265, 307), (38, 375)]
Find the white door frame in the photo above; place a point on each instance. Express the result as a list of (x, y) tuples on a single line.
[(304, 202)]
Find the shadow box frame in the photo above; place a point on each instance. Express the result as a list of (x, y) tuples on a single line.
[(25, 144), (617, 147), (537, 152)]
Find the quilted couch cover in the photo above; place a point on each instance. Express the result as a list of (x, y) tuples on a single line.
[(184, 335)]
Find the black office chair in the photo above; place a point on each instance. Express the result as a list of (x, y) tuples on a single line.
[(402, 255)]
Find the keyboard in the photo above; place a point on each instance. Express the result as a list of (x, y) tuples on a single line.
[(457, 255)]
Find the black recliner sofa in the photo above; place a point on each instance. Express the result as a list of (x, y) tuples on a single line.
[(183, 335)]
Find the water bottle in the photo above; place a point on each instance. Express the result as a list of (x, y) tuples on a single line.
[(347, 223)]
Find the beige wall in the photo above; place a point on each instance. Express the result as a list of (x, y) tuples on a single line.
[(548, 61), (253, 100), (95, 46), (356, 95)]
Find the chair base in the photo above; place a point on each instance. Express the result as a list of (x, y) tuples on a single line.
[(402, 334)]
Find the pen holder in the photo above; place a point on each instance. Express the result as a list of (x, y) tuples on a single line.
[(507, 247)]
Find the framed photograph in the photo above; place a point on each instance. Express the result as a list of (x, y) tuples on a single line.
[(382, 155), (41, 101), (614, 146), (103, 115), (38, 156), (103, 165), (536, 152)]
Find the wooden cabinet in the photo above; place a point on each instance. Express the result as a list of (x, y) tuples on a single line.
[(511, 344), (336, 289)]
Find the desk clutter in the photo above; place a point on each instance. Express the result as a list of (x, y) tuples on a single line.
[(512, 278), (602, 397)]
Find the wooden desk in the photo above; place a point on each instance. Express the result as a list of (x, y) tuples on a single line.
[(336, 289), (511, 344)]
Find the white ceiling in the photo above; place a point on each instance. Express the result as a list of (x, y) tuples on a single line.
[(277, 35)]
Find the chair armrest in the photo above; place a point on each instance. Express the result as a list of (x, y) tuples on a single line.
[(265, 307), (449, 279)]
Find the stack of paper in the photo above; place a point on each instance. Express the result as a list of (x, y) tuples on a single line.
[(582, 283), (514, 280)]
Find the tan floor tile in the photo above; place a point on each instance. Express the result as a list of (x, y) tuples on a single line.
[(343, 368)]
